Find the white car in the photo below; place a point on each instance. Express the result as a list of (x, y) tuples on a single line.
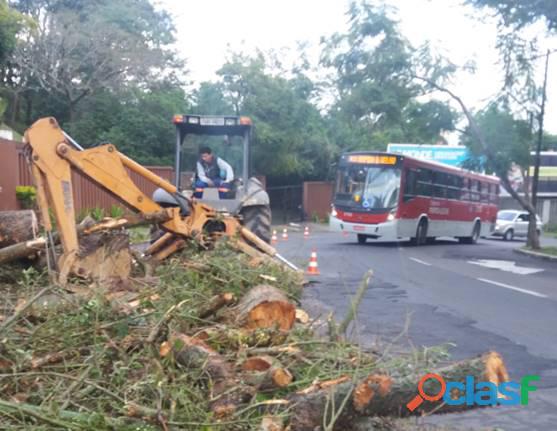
[(514, 223)]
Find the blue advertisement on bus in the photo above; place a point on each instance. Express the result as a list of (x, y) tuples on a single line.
[(449, 155)]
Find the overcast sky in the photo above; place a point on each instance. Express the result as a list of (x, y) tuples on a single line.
[(206, 29)]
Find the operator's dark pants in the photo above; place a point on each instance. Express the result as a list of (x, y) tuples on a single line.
[(223, 187)]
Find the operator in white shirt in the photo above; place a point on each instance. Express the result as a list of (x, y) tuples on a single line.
[(212, 171)]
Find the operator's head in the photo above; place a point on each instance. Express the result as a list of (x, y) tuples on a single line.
[(206, 154)]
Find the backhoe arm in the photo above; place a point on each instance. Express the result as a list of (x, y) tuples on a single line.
[(52, 159)]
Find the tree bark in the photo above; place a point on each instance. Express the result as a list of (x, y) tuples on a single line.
[(265, 306), (382, 395), (21, 250), (216, 303), (226, 394), (17, 226)]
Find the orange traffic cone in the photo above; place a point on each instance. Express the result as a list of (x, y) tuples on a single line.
[(306, 232), (274, 238), (313, 268), (284, 234)]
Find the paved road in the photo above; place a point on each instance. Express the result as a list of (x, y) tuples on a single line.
[(479, 297)]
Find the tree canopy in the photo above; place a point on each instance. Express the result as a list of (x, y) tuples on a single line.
[(520, 13), (123, 84)]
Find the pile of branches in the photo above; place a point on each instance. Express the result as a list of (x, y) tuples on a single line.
[(212, 340)]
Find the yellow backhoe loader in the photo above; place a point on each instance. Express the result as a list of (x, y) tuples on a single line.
[(52, 156)]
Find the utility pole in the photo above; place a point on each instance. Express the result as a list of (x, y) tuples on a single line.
[(535, 180)]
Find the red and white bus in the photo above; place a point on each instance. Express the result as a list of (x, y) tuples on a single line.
[(392, 197)]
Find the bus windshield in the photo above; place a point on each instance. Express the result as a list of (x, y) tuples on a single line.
[(368, 187)]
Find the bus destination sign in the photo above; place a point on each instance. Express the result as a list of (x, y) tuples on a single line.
[(369, 159)]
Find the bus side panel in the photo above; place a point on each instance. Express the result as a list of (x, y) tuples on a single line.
[(446, 217)]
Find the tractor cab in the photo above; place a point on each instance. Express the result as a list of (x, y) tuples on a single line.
[(228, 137)]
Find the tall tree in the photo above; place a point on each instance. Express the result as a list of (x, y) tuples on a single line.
[(79, 48), (520, 57), (290, 142), (375, 91), (137, 121), (11, 23)]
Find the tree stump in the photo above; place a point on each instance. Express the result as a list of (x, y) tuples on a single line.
[(104, 256)]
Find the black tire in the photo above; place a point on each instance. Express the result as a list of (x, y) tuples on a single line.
[(473, 239), (421, 233), (362, 238), (258, 219), (508, 235)]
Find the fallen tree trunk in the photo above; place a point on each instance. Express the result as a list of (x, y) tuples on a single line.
[(226, 394), (21, 249), (382, 395), (27, 248), (17, 226), (265, 306)]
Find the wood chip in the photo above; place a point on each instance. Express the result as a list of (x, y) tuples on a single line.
[(302, 316)]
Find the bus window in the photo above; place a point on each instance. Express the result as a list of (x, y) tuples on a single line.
[(484, 193), (424, 186), (410, 184), (381, 187), (367, 186), (465, 190), (455, 184), (474, 190), (439, 182)]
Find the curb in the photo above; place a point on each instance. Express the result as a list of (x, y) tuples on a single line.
[(536, 254)]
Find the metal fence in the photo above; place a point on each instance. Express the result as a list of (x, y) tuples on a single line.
[(286, 203), (14, 171)]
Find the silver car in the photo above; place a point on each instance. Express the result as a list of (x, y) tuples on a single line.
[(514, 223)]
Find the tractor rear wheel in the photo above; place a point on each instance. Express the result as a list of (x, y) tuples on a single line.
[(257, 218)]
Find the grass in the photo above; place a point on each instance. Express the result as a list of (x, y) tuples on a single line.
[(550, 250), (139, 234)]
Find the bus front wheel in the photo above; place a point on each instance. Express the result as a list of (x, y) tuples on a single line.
[(362, 238)]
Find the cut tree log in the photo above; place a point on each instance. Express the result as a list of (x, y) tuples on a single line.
[(21, 249), (17, 226), (265, 373), (382, 395), (194, 353), (226, 394), (265, 306)]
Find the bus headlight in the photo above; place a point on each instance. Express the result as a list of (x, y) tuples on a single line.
[(391, 215)]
